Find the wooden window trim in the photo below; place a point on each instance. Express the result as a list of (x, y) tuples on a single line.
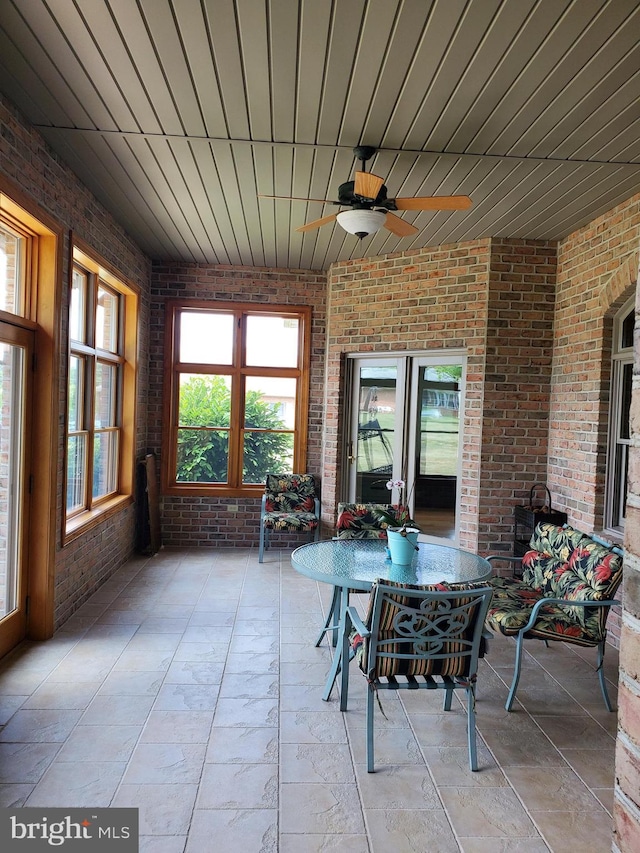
[(173, 308), (77, 523)]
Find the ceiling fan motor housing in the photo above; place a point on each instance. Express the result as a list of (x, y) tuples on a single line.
[(346, 195)]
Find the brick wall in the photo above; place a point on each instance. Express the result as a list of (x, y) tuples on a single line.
[(205, 520), (425, 300), (516, 384), (27, 160), (597, 269), (495, 300)]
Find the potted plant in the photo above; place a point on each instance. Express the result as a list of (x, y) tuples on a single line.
[(402, 529)]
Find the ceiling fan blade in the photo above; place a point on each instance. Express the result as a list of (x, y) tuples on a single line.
[(317, 223), (398, 226), (367, 185), (297, 198), (436, 202)]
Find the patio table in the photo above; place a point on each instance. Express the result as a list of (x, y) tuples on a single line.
[(356, 563)]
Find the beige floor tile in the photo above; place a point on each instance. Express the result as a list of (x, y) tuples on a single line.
[(404, 831), (558, 790), (242, 830), (165, 763), (25, 762), (195, 672), (403, 786), (596, 767), (236, 686), (314, 762), (495, 812), (311, 727), (589, 832), (59, 695), (187, 697), (323, 843), (107, 710), (115, 743), (246, 713), (320, 809), (162, 843), (241, 645), (71, 785), (449, 766), (14, 796), (307, 697), (201, 652), (504, 845), (238, 786), (177, 727), (252, 663), (132, 684), (567, 732), (40, 726), (163, 809), (237, 745), (391, 746)]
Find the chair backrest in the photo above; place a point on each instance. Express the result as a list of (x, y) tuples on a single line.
[(358, 521), (290, 493), (424, 630), (565, 563)]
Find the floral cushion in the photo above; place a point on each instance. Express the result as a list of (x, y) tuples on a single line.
[(357, 521), (290, 521), (563, 563), (290, 502), (390, 634)]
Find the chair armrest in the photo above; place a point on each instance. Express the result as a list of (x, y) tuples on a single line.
[(316, 504), (263, 504), (565, 602), (353, 618)]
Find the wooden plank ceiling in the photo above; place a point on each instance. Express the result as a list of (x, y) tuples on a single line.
[(178, 113)]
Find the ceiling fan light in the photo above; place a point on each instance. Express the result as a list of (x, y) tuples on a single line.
[(361, 222)]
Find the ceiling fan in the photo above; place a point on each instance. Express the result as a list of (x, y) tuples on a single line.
[(370, 207)]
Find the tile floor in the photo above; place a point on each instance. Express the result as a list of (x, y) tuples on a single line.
[(189, 687)]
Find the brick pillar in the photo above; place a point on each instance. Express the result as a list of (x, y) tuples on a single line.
[(627, 793)]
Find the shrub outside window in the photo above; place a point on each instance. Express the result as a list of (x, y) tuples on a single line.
[(237, 390)]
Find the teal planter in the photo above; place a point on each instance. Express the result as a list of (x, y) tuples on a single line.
[(402, 549)]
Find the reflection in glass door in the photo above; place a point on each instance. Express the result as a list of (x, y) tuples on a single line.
[(436, 405), (377, 424), (15, 349), (406, 422)]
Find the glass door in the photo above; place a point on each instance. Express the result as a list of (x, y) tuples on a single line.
[(406, 424), (434, 462), (377, 429), (16, 346)]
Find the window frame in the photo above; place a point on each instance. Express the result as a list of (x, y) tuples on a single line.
[(616, 479), (100, 275), (237, 370)]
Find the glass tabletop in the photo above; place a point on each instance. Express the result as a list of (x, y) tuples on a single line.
[(357, 563)]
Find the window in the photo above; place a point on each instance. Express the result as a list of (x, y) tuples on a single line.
[(101, 392), (619, 433), (237, 392)]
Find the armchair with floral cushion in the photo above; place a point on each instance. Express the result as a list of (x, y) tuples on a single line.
[(567, 588), (289, 504), (360, 521)]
